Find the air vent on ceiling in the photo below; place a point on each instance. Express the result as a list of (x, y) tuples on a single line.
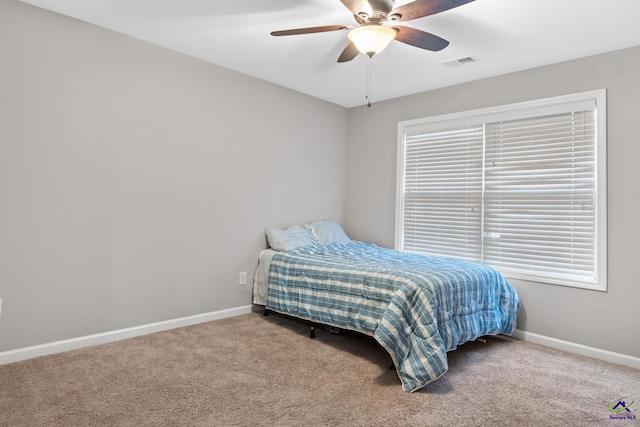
[(459, 62)]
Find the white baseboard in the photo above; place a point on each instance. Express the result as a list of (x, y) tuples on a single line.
[(111, 336), (583, 350)]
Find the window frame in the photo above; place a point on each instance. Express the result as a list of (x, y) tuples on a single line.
[(514, 111)]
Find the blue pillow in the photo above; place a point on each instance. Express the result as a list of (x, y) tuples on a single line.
[(329, 233), (294, 237)]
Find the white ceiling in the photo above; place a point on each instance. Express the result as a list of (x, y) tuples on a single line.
[(504, 35)]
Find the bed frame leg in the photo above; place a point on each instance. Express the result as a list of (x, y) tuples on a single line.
[(312, 335), (266, 312)]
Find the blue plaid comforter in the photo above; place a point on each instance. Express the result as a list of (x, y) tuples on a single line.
[(417, 307)]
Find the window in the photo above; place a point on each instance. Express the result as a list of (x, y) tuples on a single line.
[(520, 187)]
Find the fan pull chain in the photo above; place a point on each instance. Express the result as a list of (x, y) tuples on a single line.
[(368, 94)]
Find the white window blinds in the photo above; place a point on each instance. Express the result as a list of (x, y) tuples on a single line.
[(540, 192), (443, 192), (515, 187)]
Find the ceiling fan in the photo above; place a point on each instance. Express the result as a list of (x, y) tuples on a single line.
[(371, 36)]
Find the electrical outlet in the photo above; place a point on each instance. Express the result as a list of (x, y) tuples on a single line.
[(242, 278)]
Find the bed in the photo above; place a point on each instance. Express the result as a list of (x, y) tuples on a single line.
[(417, 307)]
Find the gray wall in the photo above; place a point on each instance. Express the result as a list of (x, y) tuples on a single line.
[(609, 321), (135, 182)]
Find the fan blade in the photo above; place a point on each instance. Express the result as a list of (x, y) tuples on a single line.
[(358, 6), (349, 52), (311, 30), (419, 38), (421, 8)]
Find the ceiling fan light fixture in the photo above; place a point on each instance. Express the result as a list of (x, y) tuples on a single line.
[(371, 39)]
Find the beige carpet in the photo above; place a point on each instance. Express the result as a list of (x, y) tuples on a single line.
[(253, 370)]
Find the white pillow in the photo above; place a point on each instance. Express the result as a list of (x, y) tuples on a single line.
[(294, 237), (329, 233)]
